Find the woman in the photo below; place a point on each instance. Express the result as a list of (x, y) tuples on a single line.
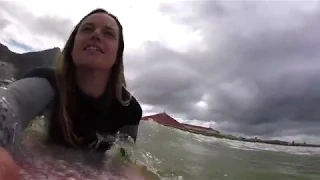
[(84, 98)]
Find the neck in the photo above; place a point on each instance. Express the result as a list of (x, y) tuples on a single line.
[(92, 82)]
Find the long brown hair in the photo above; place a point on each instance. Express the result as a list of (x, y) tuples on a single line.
[(65, 75)]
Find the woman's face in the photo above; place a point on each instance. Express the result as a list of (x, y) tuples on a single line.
[(96, 42)]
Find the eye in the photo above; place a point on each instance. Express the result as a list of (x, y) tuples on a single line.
[(108, 33), (87, 29)]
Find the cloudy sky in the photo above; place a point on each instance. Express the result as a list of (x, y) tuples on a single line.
[(248, 68)]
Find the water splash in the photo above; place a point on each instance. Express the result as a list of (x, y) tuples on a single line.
[(9, 127), (83, 165)]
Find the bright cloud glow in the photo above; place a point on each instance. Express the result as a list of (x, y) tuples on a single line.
[(141, 20), (202, 104)]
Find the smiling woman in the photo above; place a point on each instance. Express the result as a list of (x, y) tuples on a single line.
[(84, 98), (89, 51)]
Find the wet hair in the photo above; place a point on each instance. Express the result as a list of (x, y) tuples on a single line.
[(65, 75)]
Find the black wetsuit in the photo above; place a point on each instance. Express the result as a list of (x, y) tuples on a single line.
[(94, 117)]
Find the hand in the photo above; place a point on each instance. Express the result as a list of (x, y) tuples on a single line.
[(9, 170)]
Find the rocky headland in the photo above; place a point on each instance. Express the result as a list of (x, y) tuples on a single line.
[(14, 65)]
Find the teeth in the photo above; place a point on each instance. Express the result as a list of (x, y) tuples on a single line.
[(92, 48)]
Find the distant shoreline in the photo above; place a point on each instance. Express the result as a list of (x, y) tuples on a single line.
[(166, 120), (243, 139)]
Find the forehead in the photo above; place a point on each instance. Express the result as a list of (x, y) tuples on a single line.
[(101, 19)]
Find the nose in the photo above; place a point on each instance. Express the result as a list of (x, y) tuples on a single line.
[(96, 35)]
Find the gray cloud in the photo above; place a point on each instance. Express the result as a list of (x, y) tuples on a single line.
[(260, 70), (3, 23), (52, 26)]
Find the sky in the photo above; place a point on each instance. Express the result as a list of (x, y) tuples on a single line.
[(248, 68)]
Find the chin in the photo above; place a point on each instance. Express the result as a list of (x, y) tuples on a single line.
[(94, 65)]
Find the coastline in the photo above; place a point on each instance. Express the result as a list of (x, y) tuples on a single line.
[(166, 120), (254, 140)]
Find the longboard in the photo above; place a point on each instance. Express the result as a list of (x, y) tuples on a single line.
[(39, 161)]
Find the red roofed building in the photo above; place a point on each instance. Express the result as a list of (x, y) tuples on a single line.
[(164, 119)]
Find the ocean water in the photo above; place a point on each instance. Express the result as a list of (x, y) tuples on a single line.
[(180, 155), (173, 154)]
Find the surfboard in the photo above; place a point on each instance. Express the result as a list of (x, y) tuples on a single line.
[(39, 161)]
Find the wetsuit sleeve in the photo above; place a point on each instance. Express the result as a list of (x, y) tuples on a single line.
[(133, 117), (28, 98), (22, 101)]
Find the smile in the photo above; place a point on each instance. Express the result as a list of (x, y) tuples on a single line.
[(93, 48)]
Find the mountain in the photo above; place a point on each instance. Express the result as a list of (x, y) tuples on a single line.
[(14, 65)]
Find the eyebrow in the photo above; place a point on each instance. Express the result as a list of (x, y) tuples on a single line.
[(92, 24)]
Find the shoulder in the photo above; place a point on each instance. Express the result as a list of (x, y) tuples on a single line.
[(133, 111), (42, 72)]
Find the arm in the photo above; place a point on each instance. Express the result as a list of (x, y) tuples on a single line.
[(133, 116), (21, 102), (130, 130)]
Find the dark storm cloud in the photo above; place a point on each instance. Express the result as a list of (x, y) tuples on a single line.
[(164, 79), (260, 70), (52, 26)]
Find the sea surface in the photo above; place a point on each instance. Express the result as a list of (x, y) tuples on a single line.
[(173, 154)]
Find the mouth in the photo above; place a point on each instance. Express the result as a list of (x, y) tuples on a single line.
[(93, 48)]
